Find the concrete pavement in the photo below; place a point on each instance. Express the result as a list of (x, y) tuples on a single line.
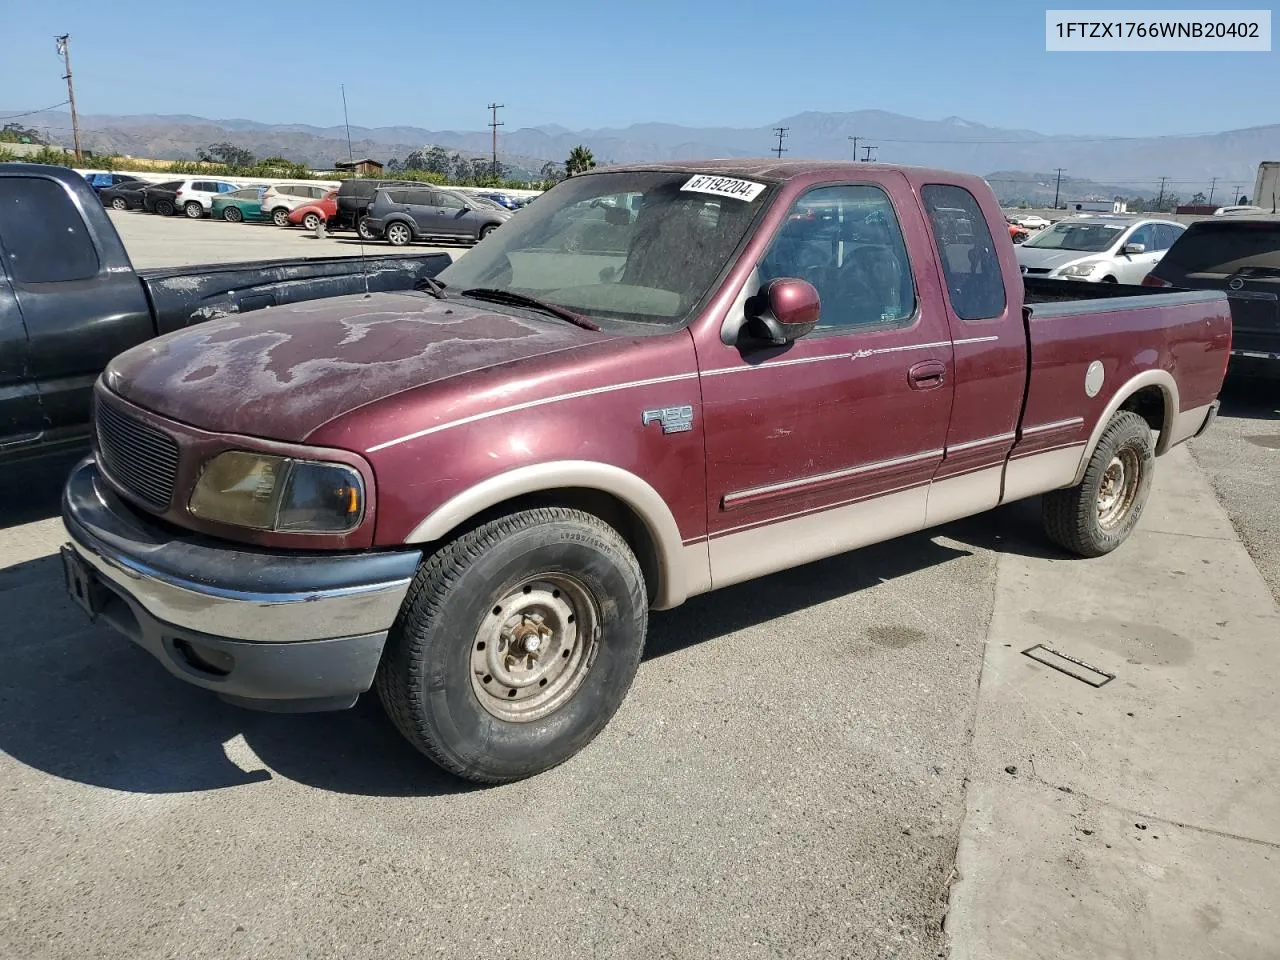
[(1140, 818)]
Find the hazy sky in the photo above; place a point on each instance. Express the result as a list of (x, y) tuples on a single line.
[(581, 65)]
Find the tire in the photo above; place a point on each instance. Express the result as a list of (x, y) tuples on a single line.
[(1096, 516), (398, 234), (280, 217), (193, 210), (445, 680), (164, 208), (1109, 280), (487, 229), (232, 214), (363, 230), (119, 203), (311, 221)]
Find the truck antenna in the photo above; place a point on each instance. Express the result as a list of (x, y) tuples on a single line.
[(364, 265)]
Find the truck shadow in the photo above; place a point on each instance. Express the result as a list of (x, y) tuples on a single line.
[(81, 703), (1251, 399)]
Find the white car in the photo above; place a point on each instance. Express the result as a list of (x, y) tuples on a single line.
[(1031, 222), (281, 199), (195, 197), (1237, 208), (1100, 249)]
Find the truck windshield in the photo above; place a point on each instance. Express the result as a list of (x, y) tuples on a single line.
[(1089, 237), (640, 247)]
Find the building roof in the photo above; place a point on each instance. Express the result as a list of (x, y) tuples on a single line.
[(349, 164)]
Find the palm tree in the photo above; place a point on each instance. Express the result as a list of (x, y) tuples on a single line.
[(580, 160)]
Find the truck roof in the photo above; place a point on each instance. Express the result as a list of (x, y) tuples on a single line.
[(777, 170)]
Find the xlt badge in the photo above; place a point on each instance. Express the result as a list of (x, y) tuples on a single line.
[(673, 419)]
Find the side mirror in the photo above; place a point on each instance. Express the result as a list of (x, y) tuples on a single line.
[(788, 310), (1131, 248)]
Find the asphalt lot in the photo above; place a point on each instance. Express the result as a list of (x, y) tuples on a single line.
[(154, 241), (791, 776)]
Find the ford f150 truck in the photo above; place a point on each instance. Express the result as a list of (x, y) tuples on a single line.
[(70, 300), (655, 382)]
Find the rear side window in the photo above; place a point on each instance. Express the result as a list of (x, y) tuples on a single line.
[(43, 236), (975, 284), (419, 197), (449, 201), (1221, 249), (396, 196)]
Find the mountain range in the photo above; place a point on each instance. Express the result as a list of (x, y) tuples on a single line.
[(1129, 166)]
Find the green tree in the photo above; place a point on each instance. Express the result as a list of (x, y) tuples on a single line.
[(226, 153), (1199, 199), (580, 161), (436, 160)]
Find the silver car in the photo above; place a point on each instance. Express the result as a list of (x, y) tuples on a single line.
[(1099, 249)]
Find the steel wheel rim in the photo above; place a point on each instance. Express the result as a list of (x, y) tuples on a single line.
[(534, 648), (1119, 488)]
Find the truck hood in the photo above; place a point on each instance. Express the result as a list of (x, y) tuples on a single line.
[(1053, 259), (283, 372)]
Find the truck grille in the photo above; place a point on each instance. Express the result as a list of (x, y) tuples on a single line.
[(139, 457)]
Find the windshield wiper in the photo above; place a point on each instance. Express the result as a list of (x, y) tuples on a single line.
[(432, 286), (521, 300)]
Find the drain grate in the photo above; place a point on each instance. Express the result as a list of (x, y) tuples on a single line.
[(1071, 666)]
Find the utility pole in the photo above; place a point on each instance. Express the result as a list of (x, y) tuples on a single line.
[(866, 153), (64, 44), (495, 124), (1235, 194), (855, 147), (781, 132), (1160, 198), (1213, 183), (1057, 189)]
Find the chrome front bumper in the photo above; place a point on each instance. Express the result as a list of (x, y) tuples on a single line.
[(278, 630)]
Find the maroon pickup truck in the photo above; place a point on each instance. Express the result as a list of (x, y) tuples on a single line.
[(654, 382)]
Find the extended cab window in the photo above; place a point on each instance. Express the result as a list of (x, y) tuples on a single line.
[(846, 241), (975, 284), (43, 236)]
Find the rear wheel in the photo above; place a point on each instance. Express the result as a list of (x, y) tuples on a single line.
[(280, 217), (516, 644), (362, 228), (119, 203), (398, 234), (164, 208), (311, 221), (1097, 515), (232, 214), (193, 210)]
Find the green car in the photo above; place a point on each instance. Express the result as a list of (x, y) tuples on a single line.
[(240, 205)]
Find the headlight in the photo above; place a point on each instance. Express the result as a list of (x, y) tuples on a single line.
[(1079, 269), (278, 494)]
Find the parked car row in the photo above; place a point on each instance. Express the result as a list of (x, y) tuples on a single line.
[(397, 211)]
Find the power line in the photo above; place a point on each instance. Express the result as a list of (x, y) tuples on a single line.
[(32, 113), (781, 132), (495, 124)]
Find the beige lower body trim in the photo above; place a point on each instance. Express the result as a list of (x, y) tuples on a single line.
[(696, 568), (1042, 472), (736, 557), (1185, 425), (963, 496)]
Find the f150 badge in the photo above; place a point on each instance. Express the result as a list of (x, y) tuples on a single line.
[(673, 419)]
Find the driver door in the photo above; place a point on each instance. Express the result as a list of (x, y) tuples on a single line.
[(831, 442)]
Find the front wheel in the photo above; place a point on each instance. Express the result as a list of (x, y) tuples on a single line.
[(1097, 515), (516, 644), (398, 234), (280, 217), (487, 229)]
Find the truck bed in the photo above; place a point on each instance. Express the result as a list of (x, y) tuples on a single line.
[(1043, 290), (181, 296)]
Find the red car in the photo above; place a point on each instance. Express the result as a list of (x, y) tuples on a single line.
[(471, 496), (311, 215)]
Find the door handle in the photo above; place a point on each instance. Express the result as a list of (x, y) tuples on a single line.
[(927, 375)]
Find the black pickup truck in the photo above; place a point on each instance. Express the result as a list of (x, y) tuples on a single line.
[(70, 300)]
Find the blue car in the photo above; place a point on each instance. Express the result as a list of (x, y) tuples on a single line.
[(101, 181), (503, 199)]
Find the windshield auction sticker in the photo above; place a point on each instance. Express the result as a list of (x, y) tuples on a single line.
[(1144, 31), (724, 187)]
